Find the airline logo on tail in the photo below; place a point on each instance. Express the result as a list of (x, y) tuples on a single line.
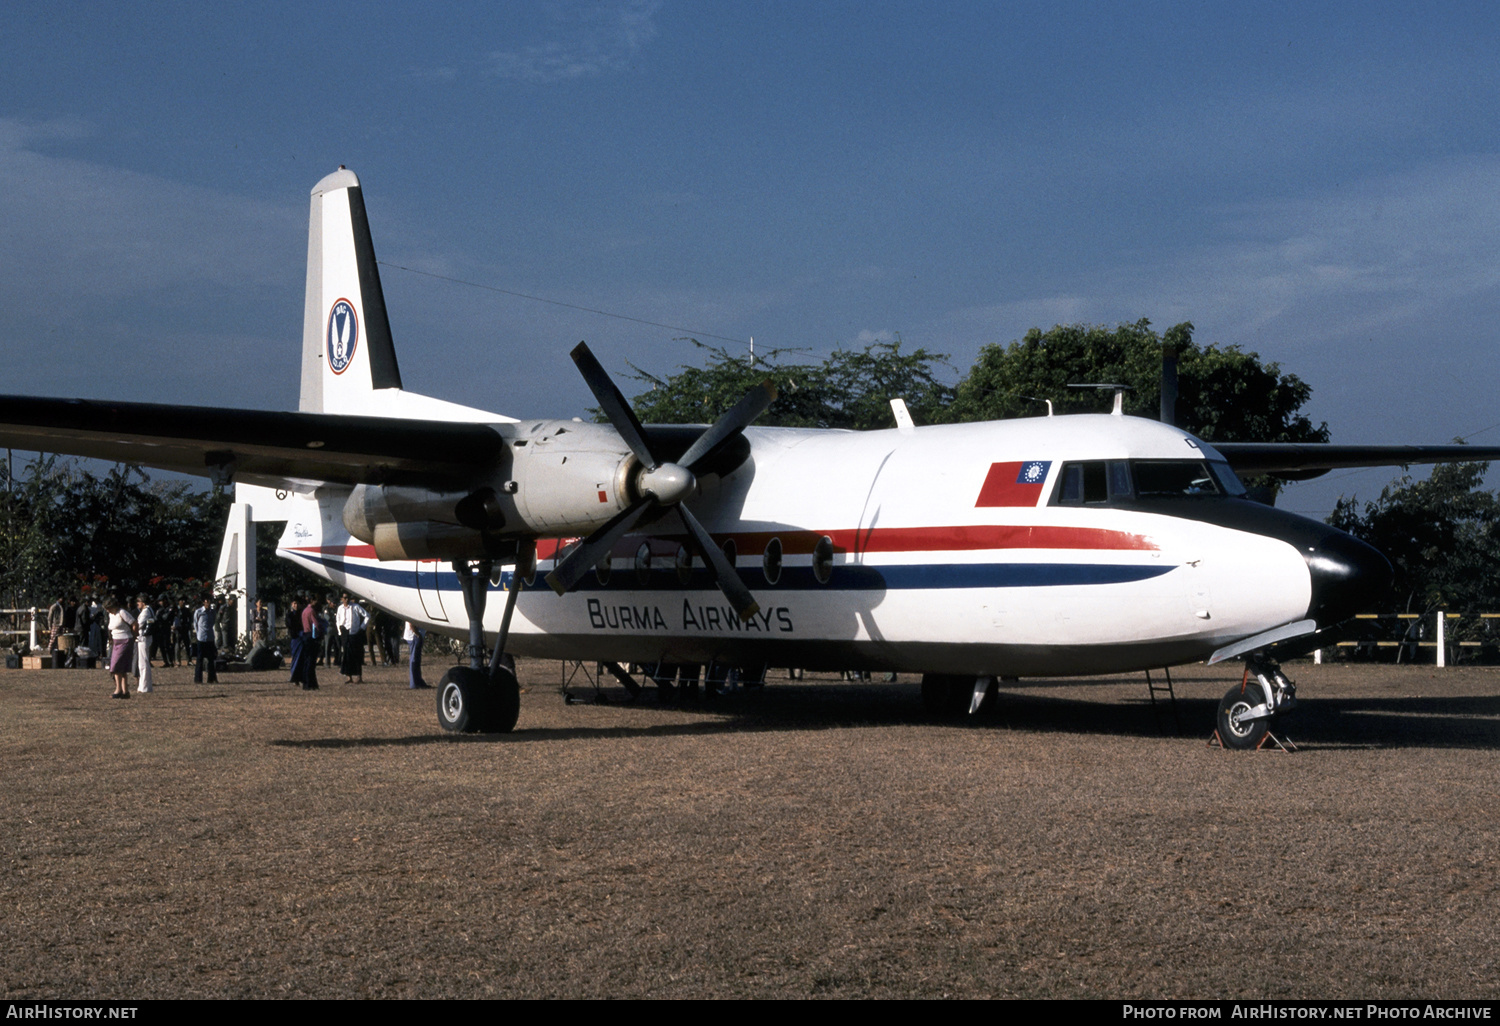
[(343, 335)]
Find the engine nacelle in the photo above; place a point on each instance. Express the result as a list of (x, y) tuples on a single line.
[(567, 478), (418, 523), (560, 478)]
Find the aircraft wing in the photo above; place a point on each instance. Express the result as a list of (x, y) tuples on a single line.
[(258, 446), (1299, 461)]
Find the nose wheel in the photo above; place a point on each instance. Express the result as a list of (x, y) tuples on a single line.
[(1246, 710)]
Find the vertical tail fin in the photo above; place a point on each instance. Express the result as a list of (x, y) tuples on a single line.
[(347, 351)]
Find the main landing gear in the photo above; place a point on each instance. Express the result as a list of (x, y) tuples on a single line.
[(945, 694), (476, 699), (1246, 709)]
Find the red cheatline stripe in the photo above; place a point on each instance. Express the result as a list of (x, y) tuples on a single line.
[(881, 539)]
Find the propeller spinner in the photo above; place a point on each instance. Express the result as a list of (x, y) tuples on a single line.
[(661, 484)]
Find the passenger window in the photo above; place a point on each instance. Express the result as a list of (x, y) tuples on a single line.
[(822, 560), (770, 563)]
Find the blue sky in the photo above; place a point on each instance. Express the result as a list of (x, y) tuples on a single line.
[(1318, 183)]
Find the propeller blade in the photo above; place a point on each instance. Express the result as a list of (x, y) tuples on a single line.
[(725, 575), (620, 415), (595, 547), (731, 423)]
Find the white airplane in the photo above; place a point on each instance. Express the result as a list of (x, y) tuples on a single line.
[(1047, 546)]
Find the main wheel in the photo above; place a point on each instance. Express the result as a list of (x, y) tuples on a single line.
[(474, 702), (460, 700), (1238, 700)]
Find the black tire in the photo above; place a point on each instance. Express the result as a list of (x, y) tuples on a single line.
[(473, 702), (461, 698), (503, 704), (946, 695), (1241, 736)]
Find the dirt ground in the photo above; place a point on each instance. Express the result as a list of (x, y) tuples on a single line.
[(247, 839)]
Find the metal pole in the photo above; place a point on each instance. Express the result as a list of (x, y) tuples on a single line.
[(1169, 384), (1441, 639)]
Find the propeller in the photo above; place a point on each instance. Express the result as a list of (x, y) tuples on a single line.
[(661, 484)]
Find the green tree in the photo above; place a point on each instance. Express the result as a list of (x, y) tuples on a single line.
[(1224, 393), (67, 529), (851, 389), (1442, 535)]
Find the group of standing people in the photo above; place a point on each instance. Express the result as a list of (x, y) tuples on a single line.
[(135, 637), (84, 623), (164, 629), (310, 632), (137, 632)]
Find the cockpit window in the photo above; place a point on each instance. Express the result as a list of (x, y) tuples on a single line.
[(1092, 483), (1110, 482), (1227, 478), (1174, 477)]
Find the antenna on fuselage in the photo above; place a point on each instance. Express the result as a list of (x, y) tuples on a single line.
[(1120, 390), (1034, 399)]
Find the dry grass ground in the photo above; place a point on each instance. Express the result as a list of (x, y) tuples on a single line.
[(250, 840)]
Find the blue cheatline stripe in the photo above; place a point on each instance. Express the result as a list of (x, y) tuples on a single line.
[(897, 577)]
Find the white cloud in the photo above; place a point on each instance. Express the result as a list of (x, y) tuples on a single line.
[(998, 322), (132, 285), (71, 229), (596, 38), (1370, 257)]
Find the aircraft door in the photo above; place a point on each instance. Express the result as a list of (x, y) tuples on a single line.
[(427, 590)]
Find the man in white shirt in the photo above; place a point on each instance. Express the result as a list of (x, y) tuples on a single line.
[(145, 623), (351, 620)]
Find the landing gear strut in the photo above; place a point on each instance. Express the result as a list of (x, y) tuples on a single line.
[(1246, 709), (476, 699), (954, 694)]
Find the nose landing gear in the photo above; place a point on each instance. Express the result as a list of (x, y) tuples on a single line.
[(1245, 712)]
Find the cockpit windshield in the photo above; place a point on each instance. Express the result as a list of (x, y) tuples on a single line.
[(1111, 482)]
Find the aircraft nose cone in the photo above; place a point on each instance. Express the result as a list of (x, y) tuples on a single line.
[(1347, 576)]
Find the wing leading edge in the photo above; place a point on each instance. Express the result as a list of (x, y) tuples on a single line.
[(1300, 461), (258, 446)]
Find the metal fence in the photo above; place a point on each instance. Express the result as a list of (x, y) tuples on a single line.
[(22, 623), (1437, 637)]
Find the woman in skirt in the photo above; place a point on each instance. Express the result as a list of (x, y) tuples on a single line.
[(122, 647)]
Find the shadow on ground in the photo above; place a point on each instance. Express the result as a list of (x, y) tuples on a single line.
[(1460, 721)]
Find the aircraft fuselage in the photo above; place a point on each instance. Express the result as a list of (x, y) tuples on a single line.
[(955, 549)]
